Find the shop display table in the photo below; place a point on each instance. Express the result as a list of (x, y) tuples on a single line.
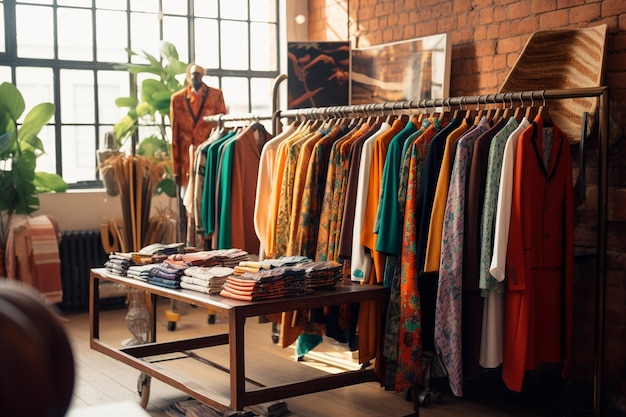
[(240, 391)]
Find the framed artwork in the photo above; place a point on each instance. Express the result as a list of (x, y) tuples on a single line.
[(318, 74), (414, 69)]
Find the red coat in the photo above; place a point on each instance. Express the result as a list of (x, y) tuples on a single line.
[(540, 258), (187, 111)]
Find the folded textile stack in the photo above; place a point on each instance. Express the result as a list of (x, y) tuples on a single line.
[(256, 266), (223, 257), (162, 248), (141, 272), (166, 274), (284, 261), (322, 274), (205, 279), (117, 264), (272, 283)]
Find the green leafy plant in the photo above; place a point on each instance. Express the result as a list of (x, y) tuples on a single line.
[(20, 147), (153, 108)]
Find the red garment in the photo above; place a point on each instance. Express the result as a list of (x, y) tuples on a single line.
[(187, 111), (540, 258)]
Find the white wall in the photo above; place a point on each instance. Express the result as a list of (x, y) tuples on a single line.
[(88, 209)]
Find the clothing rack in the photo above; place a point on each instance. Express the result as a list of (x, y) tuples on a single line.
[(222, 119), (525, 98)]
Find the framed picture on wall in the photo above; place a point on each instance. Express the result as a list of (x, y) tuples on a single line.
[(414, 69), (318, 74)]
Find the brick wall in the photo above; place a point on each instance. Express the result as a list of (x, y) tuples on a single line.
[(487, 38)]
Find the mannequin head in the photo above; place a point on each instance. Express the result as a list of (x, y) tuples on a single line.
[(194, 75)]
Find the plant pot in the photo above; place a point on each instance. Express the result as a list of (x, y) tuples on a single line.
[(108, 175)]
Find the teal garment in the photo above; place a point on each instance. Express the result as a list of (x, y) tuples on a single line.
[(389, 224), (224, 238), (210, 183), (307, 342)]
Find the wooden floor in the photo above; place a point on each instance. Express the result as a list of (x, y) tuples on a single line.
[(103, 380)]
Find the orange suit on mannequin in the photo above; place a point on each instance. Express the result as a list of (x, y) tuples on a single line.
[(188, 107)]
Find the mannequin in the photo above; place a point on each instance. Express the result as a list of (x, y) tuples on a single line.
[(188, 107)]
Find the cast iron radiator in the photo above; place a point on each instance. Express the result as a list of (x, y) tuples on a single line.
[(79, 251)]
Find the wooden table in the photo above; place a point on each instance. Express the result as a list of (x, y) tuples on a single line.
[(237, 311)]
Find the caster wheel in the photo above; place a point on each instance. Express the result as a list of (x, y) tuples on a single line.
[(143, 388), (171, 326), (424, 398), (211, 319)]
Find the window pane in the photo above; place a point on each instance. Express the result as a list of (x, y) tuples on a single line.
[(175, 7), (34, 43), (206, 43), (78, 153), (77, 96), (234, 58), (76, 3), (111, 85), (144, 5), (175, 32), (47, 161), (36, 86), (261, 95), (111, 4), (144, 34), (111, 36), (234, 9), (263, 11), (75, 40), (263, 47), (236, 94), (35, 1), (3, 47), (5, 74), (204, 8)]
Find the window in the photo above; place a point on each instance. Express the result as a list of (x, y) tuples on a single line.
[(72, 65)]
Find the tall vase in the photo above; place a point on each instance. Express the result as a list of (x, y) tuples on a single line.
[(138, 318), (108, 175)]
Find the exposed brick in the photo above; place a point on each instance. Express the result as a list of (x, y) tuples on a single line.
[(518, 10), (485, 16), (555, 19), (541, 6), (617, 41), (612, 8), (584, 13)]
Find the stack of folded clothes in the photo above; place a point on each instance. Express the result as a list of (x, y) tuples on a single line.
[(223, 257), (267, 283), (118, 263), (256, 266), (141, 272), (166, 274), (206, 279), (322, 274)]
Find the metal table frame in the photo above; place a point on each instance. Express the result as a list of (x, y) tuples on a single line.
[(237, 312)]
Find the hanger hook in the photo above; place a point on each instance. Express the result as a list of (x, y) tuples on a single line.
[(543, 97)]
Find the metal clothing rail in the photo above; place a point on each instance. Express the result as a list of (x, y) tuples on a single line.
[(532, 97), (220, 119)]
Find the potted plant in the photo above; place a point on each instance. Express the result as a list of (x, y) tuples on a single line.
[(20, 147), (153, 108)]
